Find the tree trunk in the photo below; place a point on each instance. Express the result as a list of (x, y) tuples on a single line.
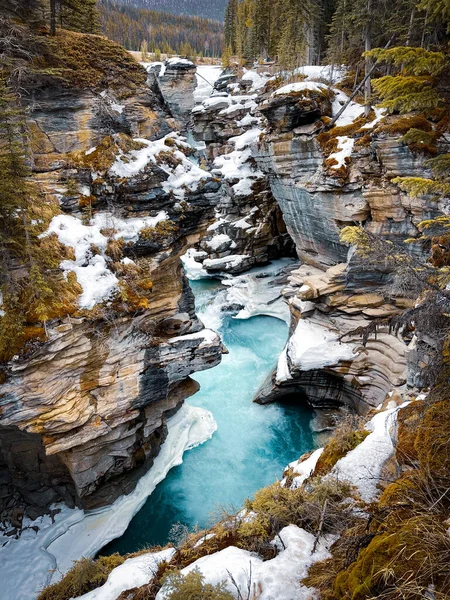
[(52, 17), (368, 63)]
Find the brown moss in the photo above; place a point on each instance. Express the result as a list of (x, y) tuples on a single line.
[(440, 251), (345, 438), (168, 158), (114, 248), (86, 574), (105, 153), (402, 125), (401, 564), (95, 62), (432, 442), (145, 284), (160, 232), (408, 420), (34, 333)]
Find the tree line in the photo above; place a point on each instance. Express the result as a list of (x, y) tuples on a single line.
[(333, 31), (159, 32)]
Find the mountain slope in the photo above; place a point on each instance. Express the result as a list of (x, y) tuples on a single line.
[(214, 9)]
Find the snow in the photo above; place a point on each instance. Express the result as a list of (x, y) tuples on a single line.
[(194, 268), (283, 374), (246, 139), (109, 99), (203, 539), (218, 240), (207, 335), (204, 88), (186, 175), (276, 579), (92, 271), (134, 572), (350, 114), (177, 60), (248, 120), (304, 469), (380, 113), (258, 80), (362, 466), (51, 551), (300, 86), (244, 187), (345, 149), (313, 346), (330, 72)]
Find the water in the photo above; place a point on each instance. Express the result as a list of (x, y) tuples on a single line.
[(252, 445)]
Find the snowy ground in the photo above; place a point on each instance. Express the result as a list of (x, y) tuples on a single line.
[(276, 579), (207, 75), (50, 551)]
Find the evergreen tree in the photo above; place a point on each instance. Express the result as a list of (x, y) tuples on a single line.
[(415, 85)]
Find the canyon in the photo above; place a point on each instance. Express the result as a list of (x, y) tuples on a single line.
[(84, 412)]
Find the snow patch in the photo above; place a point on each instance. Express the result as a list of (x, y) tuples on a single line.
[(134, 572), (362, 466), (75, 533), (300, 86), (312, 346), (92, 271), (278, 578), (345, 149)]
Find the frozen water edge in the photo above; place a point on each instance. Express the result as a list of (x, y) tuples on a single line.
[(50, 552)]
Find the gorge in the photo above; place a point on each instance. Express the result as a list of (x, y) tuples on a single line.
[(215, 283)]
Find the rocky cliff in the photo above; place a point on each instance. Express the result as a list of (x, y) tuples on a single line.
[(324, 181), (84, 404)]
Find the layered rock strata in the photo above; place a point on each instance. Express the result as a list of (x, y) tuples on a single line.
[(249, 228), (333, 293), (83, 413)]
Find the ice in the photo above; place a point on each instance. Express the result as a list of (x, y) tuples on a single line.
[(76, 533), (134, 572), (345, 149), (225, 263), (275, 579), (259, 292)]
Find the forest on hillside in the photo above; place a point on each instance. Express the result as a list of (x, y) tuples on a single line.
[(333, 31), (213, 9), (159, 31)]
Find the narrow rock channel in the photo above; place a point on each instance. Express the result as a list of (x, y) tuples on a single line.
[(252, 444)]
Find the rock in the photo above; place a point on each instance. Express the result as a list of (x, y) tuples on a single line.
[(83, 415), (177, 86)]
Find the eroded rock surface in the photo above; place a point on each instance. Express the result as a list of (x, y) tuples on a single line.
[(83, 414)]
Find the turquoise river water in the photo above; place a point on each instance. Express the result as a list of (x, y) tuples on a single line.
[(252, 444)]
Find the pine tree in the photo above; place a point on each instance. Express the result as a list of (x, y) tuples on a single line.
[(414, 86)]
